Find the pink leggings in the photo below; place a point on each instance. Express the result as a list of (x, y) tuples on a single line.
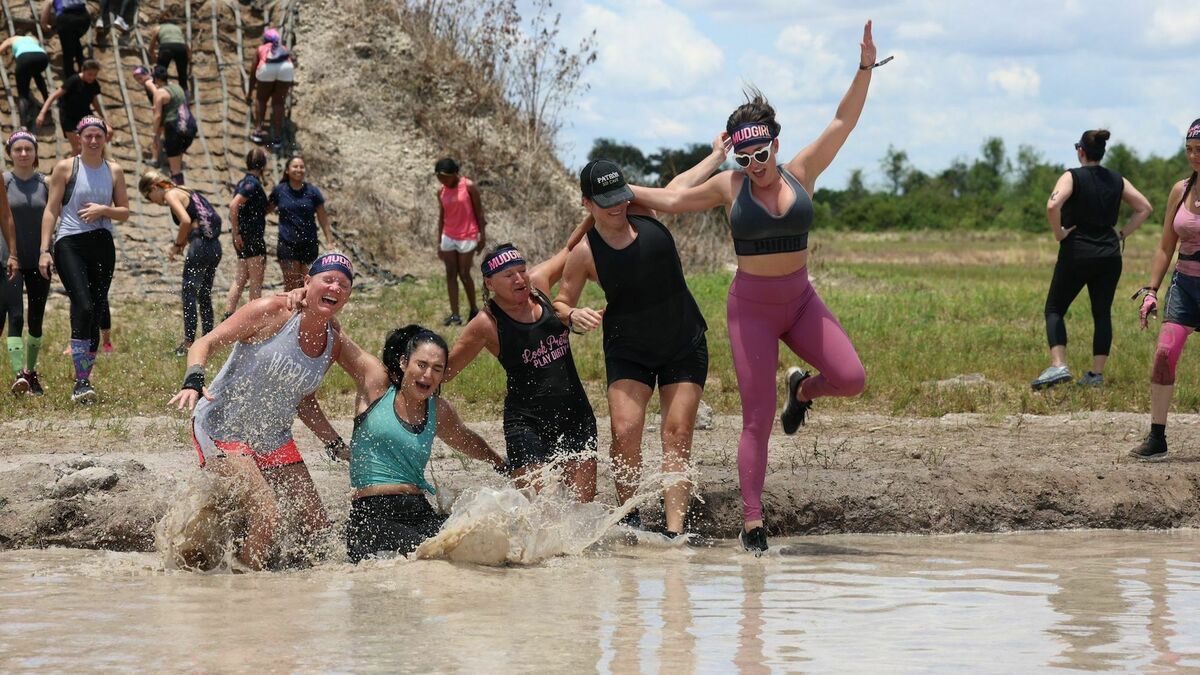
[(762, 311)]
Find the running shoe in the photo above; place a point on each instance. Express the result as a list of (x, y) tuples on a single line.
[(1091, 379), (181, 351), (20, 385), (108, 348), (84, 393), (794, 412), (35, 387), (119, 22), (1151, 449), (474, 313), (452, 320), (258, 137), (1052, 376), (754, 541)]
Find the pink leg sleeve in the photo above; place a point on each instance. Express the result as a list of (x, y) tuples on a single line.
[(1166, 357)]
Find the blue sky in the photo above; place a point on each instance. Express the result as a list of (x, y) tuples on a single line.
[(669, 72)]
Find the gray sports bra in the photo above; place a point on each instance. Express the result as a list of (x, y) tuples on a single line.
[(756, 231)]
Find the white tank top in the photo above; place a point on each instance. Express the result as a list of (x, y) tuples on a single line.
[(92, 186)]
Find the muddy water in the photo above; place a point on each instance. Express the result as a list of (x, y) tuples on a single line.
[(1014, 603)]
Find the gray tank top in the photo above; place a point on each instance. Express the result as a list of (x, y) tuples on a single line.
[(94, 186), (256, 393), (757, 231)]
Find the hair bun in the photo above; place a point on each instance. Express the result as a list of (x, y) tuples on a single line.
[(1103, 135)]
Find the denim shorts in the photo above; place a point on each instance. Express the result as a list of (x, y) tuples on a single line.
[(1183, 301)]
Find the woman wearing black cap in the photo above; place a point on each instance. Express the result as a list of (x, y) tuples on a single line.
[(653, 330), (461, 225), (1083, 211), (1181, 228), (547, 415)]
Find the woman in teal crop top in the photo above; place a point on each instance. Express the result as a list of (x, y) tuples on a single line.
[(398, 413), (771, 299)]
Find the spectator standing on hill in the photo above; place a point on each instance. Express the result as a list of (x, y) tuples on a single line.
[(271, 77), (30, 60), (72, 21), (1083, 209), (461, 226), (168, 45), (77, 98), (174, 126), (1181, 228), (27, 191), (301, 207)]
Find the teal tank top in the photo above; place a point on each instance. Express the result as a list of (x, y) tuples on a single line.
[(385, 450), (26, 45)]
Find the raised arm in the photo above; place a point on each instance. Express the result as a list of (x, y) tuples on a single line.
[(580, 267), (455, 434), (1058, 197), (1140, 205), (4, 46), (480, 333), (810, 162), (546, 274)]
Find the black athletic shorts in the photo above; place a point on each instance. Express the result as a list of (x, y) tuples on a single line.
[(536, 433), (252, 247), (305, 253), (389, 524), (175, 143), (689, 366)]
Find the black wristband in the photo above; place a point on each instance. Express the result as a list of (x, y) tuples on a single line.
[(876, 64), (332, 448), (194, 380)]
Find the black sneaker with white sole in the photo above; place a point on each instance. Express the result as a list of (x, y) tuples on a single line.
[(794, 412), (754, 541), (83, 393), (1151, 449)]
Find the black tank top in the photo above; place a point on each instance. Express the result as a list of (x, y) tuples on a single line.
[(757, 231), (651, 317), (206, 222), (537, 358), (1092, 209)]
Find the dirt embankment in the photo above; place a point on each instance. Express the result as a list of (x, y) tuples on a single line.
[(104, 486)]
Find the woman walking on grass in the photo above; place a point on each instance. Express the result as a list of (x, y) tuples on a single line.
[(1083, 210), (461, 226), (771, 299), (27, 190), (1181, 228)]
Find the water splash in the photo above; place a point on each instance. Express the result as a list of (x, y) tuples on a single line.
[(198, 532)]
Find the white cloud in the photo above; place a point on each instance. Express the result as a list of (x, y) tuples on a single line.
[(1174, 24), (1016, 80), (648, 47), (919, 30)]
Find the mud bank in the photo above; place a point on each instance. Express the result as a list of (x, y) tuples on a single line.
[(103, 484)]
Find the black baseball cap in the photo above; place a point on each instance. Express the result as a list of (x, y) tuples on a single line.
[(602, 182)]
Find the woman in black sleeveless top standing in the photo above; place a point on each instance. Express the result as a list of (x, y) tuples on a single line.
[(546, 411), (1083, 211), (653, 330)]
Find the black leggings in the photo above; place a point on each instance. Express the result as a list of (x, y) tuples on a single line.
[(30, 66), (38, 288), (72, 25), (1100, 275), (389, 524), (177, 52), (199, 269), (85, 264)]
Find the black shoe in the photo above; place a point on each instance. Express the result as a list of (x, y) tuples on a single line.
[(452, 320), (84, 393), (690, 538), (21, 384), (474, 313), (1151, 449), (794, 412), (35, 387), (633, 519), (754, 541), (181, 351)]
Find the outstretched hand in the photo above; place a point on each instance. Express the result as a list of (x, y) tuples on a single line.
[(187, 398), (867, 57)]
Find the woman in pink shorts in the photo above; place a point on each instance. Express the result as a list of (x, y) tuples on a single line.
[(460, 233)]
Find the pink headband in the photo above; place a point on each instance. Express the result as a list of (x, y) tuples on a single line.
[(20, 135), (91, 121), (754, 133)]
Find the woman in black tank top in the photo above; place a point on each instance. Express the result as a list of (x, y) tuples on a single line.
[(546, 411), (1083, 210)]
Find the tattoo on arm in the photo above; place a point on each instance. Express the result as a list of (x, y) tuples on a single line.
[(1054, 196)]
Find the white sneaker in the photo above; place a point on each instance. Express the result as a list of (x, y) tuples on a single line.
[(100, 23), (1052, 376), (119, 22)]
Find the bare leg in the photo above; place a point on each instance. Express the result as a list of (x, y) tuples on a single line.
[(293, 273), (1058, 355), (581, 479), (259, 502), (450, 260), (627, 401), (262, 95), (256, 268), (465, 263), (296, 484), (235, 289), (679, 403), (1098, 362), (278, 104), (1160, 402)]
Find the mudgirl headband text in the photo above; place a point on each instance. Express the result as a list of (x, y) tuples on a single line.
[(755, 133), (502, 259), (1193, 132), (91, 121), (332, 262), (20, 135)]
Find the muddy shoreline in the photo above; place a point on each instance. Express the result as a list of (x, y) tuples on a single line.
[(104, 484)]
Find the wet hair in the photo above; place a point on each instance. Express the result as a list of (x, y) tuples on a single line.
[(1092, 143), (152, 178), (755, 109), (256, 159), (288, 165), (90, 64), (400, 345)]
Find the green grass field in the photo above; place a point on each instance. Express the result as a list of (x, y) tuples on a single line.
[(920, 307)]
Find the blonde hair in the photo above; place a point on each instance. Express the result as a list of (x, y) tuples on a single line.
[(152, 178)]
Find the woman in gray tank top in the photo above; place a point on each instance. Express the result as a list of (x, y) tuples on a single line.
[(242, 426)]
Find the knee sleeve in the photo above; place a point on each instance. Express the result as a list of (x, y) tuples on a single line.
[(1171, 340)]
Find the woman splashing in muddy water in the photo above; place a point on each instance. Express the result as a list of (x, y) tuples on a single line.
[(546, 411), (242, 426), (770, 214)]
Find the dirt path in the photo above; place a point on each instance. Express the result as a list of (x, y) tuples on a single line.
[(857, 473)]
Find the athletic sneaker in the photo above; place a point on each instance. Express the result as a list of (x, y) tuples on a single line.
[(258, 137), (474, 313), (181, 351), (1052, 376), (20, 385), (1151, 449), (754, 541), (452, 320), (35, 387), (119, 22), (794, 412), (84, 393), (1091, 379)]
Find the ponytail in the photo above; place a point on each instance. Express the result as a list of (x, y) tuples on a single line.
[(1191, 183)]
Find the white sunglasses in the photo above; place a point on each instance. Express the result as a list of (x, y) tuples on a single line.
[(761, 156)]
